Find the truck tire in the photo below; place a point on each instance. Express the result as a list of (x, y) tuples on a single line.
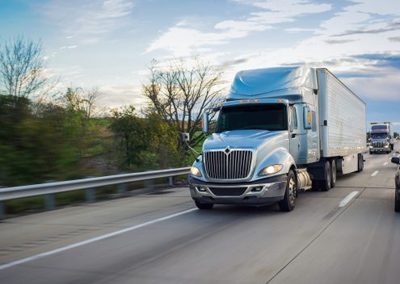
[(326, 184), (397, 201), (360, 167), (288, 203), (204, 206), (333, 173)]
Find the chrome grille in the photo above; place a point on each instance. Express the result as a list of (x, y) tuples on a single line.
[(378, 144), (235, 164)]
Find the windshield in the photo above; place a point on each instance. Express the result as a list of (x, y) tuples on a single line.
[(379, 135), (379, 128), (266, 117)]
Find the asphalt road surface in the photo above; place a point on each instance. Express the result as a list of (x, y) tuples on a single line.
[(347, 235)]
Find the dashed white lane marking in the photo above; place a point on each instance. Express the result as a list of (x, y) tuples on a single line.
[(385, 164), (348, 198), (374, 173), (92, 240)]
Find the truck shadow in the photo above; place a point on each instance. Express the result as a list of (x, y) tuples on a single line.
[(242, 210)]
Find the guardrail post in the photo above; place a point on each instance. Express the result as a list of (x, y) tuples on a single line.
[(2, 210), (171, 181), (121, 188), (50, 201), (90, 194)]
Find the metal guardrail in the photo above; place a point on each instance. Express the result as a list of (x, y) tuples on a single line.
[(89, 184)]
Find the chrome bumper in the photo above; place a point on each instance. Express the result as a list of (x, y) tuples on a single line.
[(262, 192), (380, 149)]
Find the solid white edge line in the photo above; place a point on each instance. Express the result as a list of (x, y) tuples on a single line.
[(374, 173), (348, 198), (92, 240)]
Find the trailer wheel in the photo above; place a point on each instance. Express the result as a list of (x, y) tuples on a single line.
[(360, 167), (288, 203), (326, 184), (333, 173), (397, 201), (204, 206)]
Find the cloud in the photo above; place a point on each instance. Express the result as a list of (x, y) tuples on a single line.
[(387, 28), (299, 30), (116, 96), (382, 59), (183, 40), (384, 88), (69, 46), (395, 38), (338, 41), (88, 21)]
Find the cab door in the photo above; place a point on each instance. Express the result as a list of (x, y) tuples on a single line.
[(294, 134)]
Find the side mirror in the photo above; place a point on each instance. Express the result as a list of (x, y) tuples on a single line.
[(205, 122), (395, 160)]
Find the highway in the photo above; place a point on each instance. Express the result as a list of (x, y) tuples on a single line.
[(350, 234)]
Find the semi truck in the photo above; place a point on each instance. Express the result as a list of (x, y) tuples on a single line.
[(382, 139), (280, 131)]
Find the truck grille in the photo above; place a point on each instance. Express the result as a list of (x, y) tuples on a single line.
[(228, 191), (233, 164), (378, 144)]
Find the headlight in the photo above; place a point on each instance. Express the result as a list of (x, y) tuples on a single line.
[(270, 170), (195, 172)]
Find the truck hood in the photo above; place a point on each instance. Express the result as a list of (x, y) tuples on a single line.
[(243, 139)]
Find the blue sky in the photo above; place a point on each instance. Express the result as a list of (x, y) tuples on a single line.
[(109, 44)]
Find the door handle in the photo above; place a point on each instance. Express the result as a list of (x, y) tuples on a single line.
[(293, 135)]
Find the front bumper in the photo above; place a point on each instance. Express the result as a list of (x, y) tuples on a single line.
[(383, 149), (261, 192)]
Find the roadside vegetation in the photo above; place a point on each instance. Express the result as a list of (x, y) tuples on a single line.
[(48, 134)]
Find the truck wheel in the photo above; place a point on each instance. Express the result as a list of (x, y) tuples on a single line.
[(333, 173), (397, 201), (360, 167), (204, 206), (289, 201), (326, 184)]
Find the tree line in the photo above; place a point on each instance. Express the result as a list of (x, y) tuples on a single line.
[(51, 134)]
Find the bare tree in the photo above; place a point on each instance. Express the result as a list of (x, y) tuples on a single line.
[(89, 100), (80, 100), (180, 94), (21, 67)]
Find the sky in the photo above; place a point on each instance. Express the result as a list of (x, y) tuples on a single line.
[(109, 44)]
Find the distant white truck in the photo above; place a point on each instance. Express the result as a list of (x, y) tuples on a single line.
[(280, 130), (382, 139)]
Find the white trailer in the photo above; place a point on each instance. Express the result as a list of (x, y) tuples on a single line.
[(342, 122)]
